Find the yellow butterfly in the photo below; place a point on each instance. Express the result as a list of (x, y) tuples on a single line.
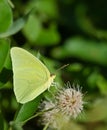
[(30, 76)]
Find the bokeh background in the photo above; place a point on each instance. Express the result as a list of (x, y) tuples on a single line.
[(60, 32)]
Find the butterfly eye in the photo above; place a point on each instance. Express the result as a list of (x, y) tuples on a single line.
[(51, 75)]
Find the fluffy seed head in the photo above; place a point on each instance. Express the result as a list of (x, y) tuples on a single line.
[(70, 102), (49, 117)]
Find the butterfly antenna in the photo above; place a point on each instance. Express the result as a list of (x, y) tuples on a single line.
[(62, 67)]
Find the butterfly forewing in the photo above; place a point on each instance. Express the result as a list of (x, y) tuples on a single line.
[(29, 74)]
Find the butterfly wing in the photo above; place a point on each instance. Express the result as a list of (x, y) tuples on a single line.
[(29, 74)]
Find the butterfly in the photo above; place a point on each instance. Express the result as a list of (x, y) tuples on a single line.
[(30, 76)]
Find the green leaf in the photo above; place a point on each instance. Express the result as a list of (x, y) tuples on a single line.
[(27, 110), (15, 126), (5, 16), (102, 85), (48, 7), (16, 26), (32, 28), (83, 49), (4, 52), (49, 36), (93, 78)]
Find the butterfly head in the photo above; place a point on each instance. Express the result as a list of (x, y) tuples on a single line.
[(52, 76)]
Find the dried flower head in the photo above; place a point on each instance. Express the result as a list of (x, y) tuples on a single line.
[(53, 119), (49, 117), (70, 101)]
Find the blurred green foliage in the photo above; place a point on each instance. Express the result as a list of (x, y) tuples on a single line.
[(62, 31), (6, 17)]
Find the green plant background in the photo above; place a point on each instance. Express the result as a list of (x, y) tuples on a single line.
[(60, 32)]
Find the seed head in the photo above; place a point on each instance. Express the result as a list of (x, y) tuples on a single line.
[(70, 102), (49, 117)]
